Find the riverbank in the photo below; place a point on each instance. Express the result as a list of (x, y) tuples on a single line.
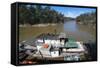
[(38, 25)]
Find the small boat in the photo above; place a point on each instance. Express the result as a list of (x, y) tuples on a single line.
[(54, 46)]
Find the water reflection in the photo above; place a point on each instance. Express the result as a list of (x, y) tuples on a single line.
[(79, 32), (70, 26)]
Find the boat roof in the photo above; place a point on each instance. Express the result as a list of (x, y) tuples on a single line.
[(71, 45)]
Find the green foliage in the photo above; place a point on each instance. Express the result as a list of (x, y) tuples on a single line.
[(87, 18), (35, 14)]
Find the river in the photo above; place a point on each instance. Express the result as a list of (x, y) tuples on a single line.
[(71, 28)]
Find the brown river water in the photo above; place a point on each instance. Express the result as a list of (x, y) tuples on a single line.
[(71, 28)]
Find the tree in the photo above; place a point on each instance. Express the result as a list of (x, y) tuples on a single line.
[(35, 14)]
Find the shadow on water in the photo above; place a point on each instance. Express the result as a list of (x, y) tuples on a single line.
[(92, 50)]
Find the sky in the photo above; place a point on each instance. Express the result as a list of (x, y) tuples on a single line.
[(72, 11)]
